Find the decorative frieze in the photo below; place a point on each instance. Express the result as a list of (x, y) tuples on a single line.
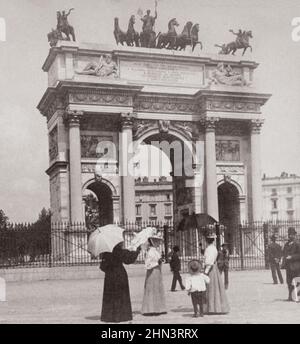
[(94, 98), (230, 169), (166, 105), (232, 106), (232, 128)]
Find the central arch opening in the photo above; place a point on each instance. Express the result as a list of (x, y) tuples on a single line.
[(98, 203)]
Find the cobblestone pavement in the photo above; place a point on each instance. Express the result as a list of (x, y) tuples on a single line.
[(252, 295)]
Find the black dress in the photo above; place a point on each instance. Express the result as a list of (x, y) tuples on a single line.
[(116, 304)]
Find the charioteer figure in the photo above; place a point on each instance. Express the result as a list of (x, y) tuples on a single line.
[(148, 35)]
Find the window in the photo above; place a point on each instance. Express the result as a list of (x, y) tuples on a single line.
[(152, 209), (274, 192), (168, 209), (138, 208), (289, 203), (274, 203), (168, 197), (289, 190)]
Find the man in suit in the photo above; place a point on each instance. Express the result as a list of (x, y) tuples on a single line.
[(275, 255), (175, 268), (291, 259), (223, 263)]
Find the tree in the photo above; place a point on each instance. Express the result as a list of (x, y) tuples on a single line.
[(3, 220)]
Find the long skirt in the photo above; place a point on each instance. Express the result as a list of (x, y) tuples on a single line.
[(216, 299), (154, 301)]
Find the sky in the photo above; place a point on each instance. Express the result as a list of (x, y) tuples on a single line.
[(24, 185)]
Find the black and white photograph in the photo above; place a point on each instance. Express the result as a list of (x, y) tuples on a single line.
[(150, 163)]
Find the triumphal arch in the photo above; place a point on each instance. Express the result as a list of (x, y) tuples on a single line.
[(101, 99)]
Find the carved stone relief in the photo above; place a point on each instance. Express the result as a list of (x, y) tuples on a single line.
[(227, 150), (89, 145), (53, 144)]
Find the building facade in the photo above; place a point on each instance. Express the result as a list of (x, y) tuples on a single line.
[(154, 200), (281, 197)]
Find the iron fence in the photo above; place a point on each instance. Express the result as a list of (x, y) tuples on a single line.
[(65, 244)]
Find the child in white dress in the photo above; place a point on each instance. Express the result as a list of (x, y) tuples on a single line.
[(195, 285)]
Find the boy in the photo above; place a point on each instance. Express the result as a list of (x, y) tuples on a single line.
[(175, 268), (196, 286)]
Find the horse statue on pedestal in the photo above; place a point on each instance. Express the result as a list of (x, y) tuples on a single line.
[(241, 42), (63, 25), (168, 40), (131, 37)]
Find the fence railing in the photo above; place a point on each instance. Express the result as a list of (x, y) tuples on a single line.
[(65, 244)]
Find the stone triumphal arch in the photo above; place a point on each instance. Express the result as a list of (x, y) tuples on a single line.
[(207, 103)]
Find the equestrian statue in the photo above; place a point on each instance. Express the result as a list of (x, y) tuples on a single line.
[(168, 40), (241, 42), (189, 36)]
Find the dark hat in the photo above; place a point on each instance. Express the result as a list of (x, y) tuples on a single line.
[(194, 266), (291, 230), (176, 248)]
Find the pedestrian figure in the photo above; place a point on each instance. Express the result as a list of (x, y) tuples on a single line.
[(216, 299), (291, 260), (175, 266), (154, 302), (116, 304), (196, 285), (223, 263), (274, 257)]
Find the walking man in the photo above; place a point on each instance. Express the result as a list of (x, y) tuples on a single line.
[(291, 259), (275, 255), (175, 268)]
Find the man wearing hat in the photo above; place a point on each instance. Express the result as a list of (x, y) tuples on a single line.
[(175, 266), (291, 259), (274, 257), (223, 263), (196, 285)]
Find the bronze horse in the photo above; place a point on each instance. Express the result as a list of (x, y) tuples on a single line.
[(189, 36), (131, 37), (168, 40), (242, 43)]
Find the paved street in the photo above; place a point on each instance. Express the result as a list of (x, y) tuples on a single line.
[(252, 296)]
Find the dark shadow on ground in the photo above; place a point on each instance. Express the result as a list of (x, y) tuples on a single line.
[(182, 309), (93, 317)]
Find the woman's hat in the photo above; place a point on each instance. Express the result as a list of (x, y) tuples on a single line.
[(155, 239), (194, 266), (291, 230), (210, 232)]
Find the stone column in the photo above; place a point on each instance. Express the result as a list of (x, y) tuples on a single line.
[(126, 168), (73, 119), (256, 187), (210, 167)]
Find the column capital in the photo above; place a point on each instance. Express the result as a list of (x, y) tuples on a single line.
[(72, 117), (127, 120), (209, 123), (255, 125)]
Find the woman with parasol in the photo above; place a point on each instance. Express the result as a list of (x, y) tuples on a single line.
[(116, 304)]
